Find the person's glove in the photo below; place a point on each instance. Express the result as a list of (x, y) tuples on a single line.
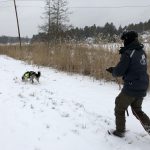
[(110, 69)]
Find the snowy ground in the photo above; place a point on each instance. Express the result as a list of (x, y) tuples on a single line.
[(63, 112)]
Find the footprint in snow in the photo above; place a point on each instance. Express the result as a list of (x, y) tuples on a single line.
[(32, 94), (31, 106), (20, 95), (47, 126), (75, 131), (37, 149), (65, 115)]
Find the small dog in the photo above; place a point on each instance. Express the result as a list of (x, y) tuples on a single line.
[(31, 75)]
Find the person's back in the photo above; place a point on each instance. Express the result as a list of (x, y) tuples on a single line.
[(135, 77)]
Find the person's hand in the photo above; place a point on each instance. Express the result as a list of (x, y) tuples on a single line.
[(110, 69)]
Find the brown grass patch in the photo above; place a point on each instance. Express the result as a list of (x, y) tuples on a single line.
[(70, 58)]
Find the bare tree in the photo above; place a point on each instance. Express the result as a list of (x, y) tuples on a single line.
[(46, 27), (56, 15)]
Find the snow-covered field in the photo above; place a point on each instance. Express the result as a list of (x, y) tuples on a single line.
[(63, 112), (116, 46)]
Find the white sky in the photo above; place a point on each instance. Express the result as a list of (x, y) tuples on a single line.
[(30, 12)]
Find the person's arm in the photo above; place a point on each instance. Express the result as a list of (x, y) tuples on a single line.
[(122, 66)]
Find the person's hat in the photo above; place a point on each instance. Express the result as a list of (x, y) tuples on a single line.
[(129, 36)]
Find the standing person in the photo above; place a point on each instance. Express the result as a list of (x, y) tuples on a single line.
[(133, 69)]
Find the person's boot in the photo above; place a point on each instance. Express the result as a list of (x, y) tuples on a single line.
[(119, 133)]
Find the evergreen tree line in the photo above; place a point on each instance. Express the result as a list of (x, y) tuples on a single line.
[(10, 40), (55, 27), (107, 33), (140, 27)]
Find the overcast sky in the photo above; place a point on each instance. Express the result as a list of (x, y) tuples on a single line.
[(84, 12)]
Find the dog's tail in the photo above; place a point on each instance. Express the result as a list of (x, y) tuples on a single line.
[(39, 74)]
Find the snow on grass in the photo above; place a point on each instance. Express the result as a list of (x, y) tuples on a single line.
[(63, 112)]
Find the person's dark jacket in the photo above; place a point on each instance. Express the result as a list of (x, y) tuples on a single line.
[(133, 68)]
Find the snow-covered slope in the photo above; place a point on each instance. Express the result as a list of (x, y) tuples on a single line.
[(63, 112)]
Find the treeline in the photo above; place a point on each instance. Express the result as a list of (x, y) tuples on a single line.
[(140, 27), (108, 32), (81, 34), (11, 40)]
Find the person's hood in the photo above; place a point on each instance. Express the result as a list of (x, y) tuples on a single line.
[(135, 45)]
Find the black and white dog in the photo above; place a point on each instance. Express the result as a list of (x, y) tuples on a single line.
[(30, 76)]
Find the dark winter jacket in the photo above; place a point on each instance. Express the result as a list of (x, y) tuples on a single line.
[(133, 68)]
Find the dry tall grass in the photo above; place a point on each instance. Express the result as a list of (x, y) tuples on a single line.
[(69, 58)]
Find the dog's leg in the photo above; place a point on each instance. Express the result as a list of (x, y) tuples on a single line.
[(31, 79), (37, 80), (23, 79)]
